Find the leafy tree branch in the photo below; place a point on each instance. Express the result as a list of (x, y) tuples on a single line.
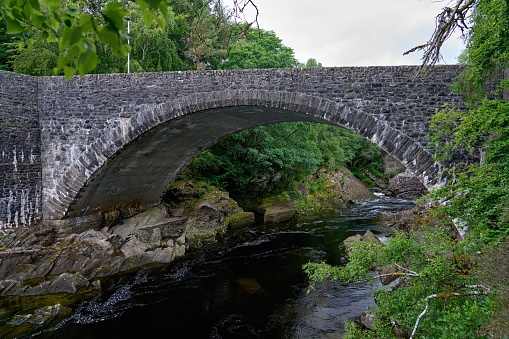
[(478, 290)]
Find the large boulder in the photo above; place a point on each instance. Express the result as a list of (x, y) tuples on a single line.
[(388, 275), (345, 186), (279, 209), (327, 191), (241, 219), (367, 319), (275, 214), (406, 185), (324, 191)]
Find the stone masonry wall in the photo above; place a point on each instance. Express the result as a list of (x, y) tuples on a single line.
[(20, 164), (82, 123)]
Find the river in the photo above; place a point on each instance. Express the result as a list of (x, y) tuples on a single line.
[(250, 284)]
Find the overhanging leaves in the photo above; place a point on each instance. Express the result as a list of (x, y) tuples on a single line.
[(73, 24)]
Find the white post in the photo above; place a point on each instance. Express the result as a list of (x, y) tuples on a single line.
[(128, 42)]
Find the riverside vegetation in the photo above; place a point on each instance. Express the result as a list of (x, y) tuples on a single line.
[(451, 288)]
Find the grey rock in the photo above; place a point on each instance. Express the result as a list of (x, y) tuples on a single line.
[(406, 185)]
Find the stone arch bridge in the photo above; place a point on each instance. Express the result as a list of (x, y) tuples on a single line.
[(72, 150)]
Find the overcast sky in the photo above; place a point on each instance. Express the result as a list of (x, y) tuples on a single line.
[(355, 32)]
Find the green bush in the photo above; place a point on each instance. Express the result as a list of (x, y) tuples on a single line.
[(425, 260)]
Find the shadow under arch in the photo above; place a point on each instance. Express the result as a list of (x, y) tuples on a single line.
[(135, 162)]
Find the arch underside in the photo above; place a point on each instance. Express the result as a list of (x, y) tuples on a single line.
[(140, 172)]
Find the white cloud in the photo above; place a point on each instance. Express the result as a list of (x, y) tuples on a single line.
[(355, 32)]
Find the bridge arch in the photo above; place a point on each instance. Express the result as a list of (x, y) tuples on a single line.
[(127, 164)]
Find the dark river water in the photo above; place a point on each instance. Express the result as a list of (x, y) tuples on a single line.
[(250, 284)]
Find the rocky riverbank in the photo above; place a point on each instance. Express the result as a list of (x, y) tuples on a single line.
[(41, 261), (43, 271)]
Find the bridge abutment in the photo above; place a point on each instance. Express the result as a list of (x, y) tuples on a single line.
[(20, 140)]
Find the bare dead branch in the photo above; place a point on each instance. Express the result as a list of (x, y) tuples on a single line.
[(406, 273), (446, 23), (477, 290), (406, 269), (239, 11), (396, 274)]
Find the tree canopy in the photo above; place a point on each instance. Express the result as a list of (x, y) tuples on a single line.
[(259, 49), (78, 26)]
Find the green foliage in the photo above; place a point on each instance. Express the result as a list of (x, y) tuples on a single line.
[(155, 47), (152, 46), (479, 193), (365, 158), (181, 34), (426, 262), (363, 258), (487, 50), (34, 58), (310, 63), (381, 331), (75, 25), (311, 203), (6, 49), (259, 49), (268, 159), (264, 159), (209, 36), (166, 35)]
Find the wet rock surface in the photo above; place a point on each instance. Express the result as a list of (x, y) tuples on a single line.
[(369, 236), (44, 262), (406, 185)]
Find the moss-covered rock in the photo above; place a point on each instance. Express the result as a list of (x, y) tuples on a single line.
[(240, 219), (278, 208), (327, 191), (322, 192), (407, 185), (275, 214)]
